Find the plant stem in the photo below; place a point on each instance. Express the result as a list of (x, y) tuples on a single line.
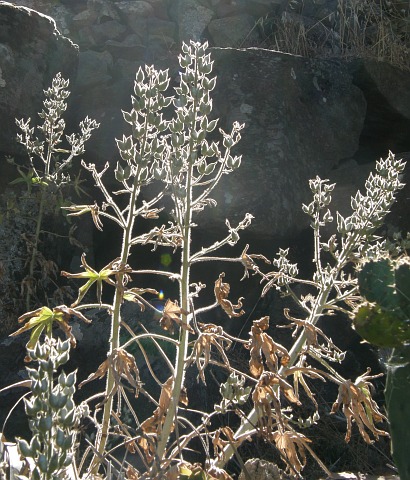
[(180, 366), (114, 340), (35, 243), (317, 311)]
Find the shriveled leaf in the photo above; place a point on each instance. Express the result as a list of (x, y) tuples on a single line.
[(220, 443), (135, 295), (358, 406), (210, 334), (153, 424), (172, 314), (221, 294), (248, 261), (123, 366), (312, 332), (262, 343), (292, 445)]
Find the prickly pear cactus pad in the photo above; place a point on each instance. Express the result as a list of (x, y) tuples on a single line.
[(383, 319)]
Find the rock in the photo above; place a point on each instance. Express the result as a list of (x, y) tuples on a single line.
[(157, 26), (60, 13), (302, 117), (383, 76), (130, 48), (192, 19), (102, 10), (387, 122), (226, 8), (83, 19), (32, 51), (93, 69), (160, 8), (111, 30), (132, 12), (128, 69), (237, 31)]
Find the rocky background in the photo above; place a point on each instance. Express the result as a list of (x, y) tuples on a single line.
[(322, 86), (304, 116)]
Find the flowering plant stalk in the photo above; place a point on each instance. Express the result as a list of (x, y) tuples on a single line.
[(47, 169), (169, 157)]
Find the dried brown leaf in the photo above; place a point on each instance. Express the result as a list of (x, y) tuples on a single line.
[(261, 342), (248, 262), (221, 294), (123, 366), (209, 335), (171, 315), (358, 406), (292, 446), (220, 443)]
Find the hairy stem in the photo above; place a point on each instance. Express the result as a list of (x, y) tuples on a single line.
[(318, 309), (36, 242), (115, 330)]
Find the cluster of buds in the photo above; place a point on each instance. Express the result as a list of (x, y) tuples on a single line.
[(54, 418), (52, 131), (233, 392)]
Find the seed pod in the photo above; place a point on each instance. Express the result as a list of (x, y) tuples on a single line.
[(70, 380), (35, 474), (69, 441), (53, 463), (57, 400), (35, 445), (69, 418), (24, 448), (60, 437), (33, 406), (42, 463), (32, 373), (45, 424), (44, 385)]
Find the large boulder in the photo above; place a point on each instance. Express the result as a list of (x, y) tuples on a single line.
[(32, 52), (387, 92), (302, 117), (192, 18)]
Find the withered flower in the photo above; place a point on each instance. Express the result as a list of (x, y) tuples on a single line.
[(221, 294), (209, 335), (358, 406), (43, 319), (261, 342), (266, 392), (123, 366), (312, 333), (248, 261), (77, 210), (172, 314)]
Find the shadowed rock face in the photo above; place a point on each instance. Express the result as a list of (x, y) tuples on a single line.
[(302, 117), (32, 51)]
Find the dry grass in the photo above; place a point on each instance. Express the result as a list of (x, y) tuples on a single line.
[(374, 29)]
